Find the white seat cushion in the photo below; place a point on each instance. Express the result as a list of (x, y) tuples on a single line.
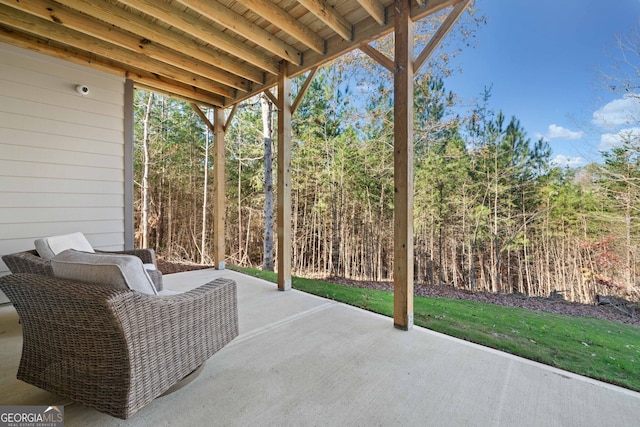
[(115, 270), (49, 247)]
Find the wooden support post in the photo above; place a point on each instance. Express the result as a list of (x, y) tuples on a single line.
[(403, 168), (219, 189), (128, 165), (284, 179)]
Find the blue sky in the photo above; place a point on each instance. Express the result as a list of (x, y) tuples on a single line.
[(541, 59)]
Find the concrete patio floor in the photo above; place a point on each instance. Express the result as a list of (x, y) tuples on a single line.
[(303, 360)]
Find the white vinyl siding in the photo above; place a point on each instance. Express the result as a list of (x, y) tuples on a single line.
[(61, 154)]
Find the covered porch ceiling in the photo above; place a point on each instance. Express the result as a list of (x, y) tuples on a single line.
[(213, 53)]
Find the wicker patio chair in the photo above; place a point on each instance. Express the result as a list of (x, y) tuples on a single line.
[(31, 262), (104, 347)]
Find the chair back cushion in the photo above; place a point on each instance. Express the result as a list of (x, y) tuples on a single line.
[(49, 247), (118, 271)]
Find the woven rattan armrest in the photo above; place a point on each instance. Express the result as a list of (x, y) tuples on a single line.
[(27, 262)]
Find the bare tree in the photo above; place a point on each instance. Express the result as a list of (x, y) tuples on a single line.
[(145, 173), (203, 243), (267, 115), (624, 75)]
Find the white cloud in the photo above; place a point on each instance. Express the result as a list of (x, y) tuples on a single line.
[(567, 161), (619, 112), (558, 132), (610, 140)]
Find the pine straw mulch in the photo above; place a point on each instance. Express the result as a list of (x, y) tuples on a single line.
[(551, 305)]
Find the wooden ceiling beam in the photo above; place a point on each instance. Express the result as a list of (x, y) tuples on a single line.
[(140, 77), (240, 25), (196, 28), (180, 93), (46, 47), (49, 30), (287, 23), (161, 36), (75, 21), (327, 14), (375, 9)]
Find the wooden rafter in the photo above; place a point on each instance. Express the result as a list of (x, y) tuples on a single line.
[(142, 78), (329, 16), (184, 93), (152, 33), (199, 29), (46, 47), (242, 26), (69, 19), (375, 9), (53, 31), (287, 23)]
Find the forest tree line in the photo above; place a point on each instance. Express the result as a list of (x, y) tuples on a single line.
[(492, 211)]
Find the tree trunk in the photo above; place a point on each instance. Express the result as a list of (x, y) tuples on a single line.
[(203, 242), (267, 114), (241, 256), (440, 243), (145, 173)]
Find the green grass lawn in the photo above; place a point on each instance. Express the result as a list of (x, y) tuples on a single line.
[(600, 349)]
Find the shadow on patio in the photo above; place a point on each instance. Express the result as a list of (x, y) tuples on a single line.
[(305, 360)]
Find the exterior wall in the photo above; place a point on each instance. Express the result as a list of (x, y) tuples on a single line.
[(62, 162)]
